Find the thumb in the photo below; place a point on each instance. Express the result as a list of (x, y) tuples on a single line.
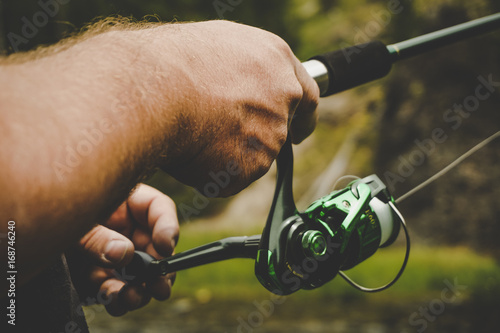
[(107, 247)]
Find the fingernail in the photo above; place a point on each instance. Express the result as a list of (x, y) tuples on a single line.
[(115, 251)]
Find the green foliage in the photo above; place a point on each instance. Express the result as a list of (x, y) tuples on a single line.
[(219, 296)]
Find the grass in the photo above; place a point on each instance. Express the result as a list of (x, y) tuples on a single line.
[(219, 296)]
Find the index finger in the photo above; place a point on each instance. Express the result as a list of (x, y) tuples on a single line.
[(305, 117), (156, 211)]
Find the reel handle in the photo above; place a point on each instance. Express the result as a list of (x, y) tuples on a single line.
[(145, 267), (142, 268)]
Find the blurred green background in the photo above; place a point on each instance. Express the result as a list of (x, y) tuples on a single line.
[(454, 222)]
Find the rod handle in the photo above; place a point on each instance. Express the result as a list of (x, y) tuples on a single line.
[(351, 66)]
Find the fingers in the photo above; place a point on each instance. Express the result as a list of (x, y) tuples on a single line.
[(161, 287), (107, 247), (157, 212), (122, 298), (305, 117), (146, 209)]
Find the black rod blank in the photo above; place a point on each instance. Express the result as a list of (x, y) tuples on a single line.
[(436, 39)]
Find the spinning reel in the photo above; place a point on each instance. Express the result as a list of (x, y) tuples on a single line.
[(299, 250), (304, 250), (336, 232)]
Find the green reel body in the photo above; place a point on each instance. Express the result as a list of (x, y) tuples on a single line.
[(336, 232)]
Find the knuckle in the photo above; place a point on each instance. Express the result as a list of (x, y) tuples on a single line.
[(313, 101), (281, 45), (313, 96), (294, 94), (175, 231), (169, 202), (90, 240), (310, 99)]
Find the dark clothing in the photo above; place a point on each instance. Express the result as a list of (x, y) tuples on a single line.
[(49, 303)]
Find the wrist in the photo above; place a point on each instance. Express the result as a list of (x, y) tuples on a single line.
[(168, 88)]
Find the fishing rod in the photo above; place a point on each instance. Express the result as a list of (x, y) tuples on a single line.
[(304, 250), (352, 66)]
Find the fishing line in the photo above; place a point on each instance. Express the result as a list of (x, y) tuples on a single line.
[(449, 167), (350, 178)]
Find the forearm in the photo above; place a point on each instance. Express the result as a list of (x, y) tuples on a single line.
[(78, 133), (80, 126)]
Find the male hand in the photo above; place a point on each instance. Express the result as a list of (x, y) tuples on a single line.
[(242, 91), (147, 222), (200, 100)]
